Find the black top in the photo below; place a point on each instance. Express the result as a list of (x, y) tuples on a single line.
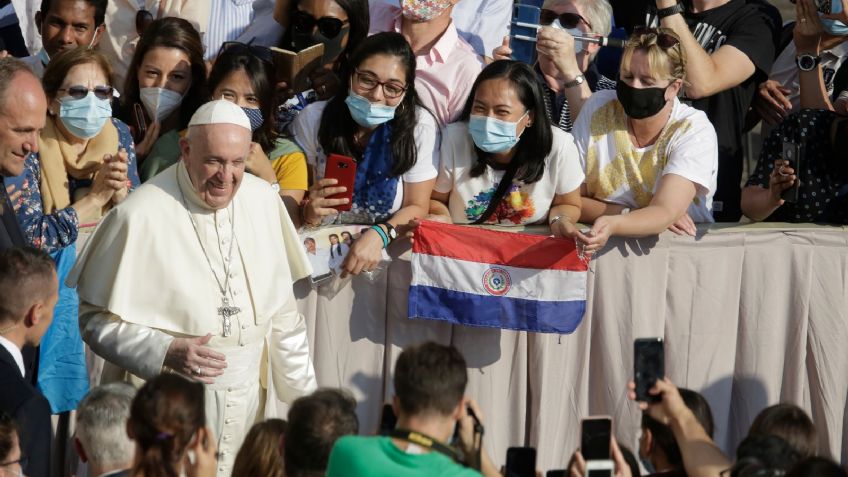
[(31, 412), (10, 230), (823, 193), (748, 28)]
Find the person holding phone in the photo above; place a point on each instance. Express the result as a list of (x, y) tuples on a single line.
[(244, 74), (566, 68), (379, 122), (166, 83), (340, 25), (651, 161), (822, 195)]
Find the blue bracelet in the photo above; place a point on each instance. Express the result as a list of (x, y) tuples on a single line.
[(383, 235)]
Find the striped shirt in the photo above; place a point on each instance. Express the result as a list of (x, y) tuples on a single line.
[(227, 21), (563, 119)]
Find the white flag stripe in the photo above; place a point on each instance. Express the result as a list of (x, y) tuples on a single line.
[(525, 283)]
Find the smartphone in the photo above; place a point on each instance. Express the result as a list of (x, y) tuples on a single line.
[(556, 473), (140, 122), (792, 153), (343, 169), (522, 32), (648, 366), (595, 435), (388, 420), (520, 462)]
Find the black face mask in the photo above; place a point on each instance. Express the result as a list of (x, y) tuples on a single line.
[(640, 103)]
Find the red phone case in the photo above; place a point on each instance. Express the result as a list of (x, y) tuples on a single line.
[(343, 169)]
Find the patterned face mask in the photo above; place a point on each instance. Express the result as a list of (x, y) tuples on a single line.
[(423, 10)]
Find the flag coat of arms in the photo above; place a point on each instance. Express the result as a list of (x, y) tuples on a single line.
[(478, 277)]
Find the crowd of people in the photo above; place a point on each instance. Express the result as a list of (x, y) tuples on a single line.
[(165, 124)]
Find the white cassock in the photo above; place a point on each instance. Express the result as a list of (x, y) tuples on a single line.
[(144, 280)]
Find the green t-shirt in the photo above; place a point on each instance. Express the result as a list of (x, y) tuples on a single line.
[(355, 456)]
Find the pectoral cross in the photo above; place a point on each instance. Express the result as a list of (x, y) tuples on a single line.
[(226, 311)]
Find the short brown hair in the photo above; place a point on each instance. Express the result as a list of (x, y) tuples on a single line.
[(8, 435), (261, 452), (316, 422), (25, 278), (61, 64), (790, 423), (664, 63), (430, 378)]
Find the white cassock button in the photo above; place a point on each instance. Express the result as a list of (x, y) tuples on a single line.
[(244, 326), (235, 292), (229, 421)]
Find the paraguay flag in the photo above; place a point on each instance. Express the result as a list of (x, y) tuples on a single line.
[(479, 277)]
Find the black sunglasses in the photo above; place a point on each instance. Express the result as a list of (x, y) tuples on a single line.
[(567, 19), (262, 52), (79, 91), (665, 40), (330, 27), (22, 461)]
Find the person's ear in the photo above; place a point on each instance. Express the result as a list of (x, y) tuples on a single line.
[(130, 432), (184, 148), (460, 411), (33, 316), (80, 450), (531, 118), (38, 19), (591, 48), (396, 406), (99, 32), (673, 89), (647, 442)]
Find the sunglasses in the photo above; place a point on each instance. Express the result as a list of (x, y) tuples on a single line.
[(368, 82), (143, 19), (567, 20), (330, 27), (79, 91), (665, 40), (235, 47)]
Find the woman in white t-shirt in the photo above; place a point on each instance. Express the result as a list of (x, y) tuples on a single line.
[(650, 160), (503, 162), (379, 122)]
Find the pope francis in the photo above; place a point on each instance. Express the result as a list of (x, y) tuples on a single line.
[(193, 273)]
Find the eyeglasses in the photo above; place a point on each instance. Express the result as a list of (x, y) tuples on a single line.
[(567, 19), (79, 91), (368, 82), (665, 39), (143, 19), (236, 47), (330, 27), (22, 461)]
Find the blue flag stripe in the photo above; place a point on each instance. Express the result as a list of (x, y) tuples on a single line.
[(492, 311)]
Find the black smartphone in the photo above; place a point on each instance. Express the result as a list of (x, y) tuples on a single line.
[(648, 366), (522, 32), (520, 462), (792, 153), (556, 473), (595, 435), (140, 122), (388, 421)]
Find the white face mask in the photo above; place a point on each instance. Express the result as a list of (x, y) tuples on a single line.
[(578, 45), (160, 102)]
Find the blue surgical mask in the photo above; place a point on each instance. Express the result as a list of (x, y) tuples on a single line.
[(366, 113), (44, 57), (493, 135), (85, 117), (578, 44), (255, 117), (835, 27)]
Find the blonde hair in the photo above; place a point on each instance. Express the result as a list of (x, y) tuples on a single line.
[(664, 63)]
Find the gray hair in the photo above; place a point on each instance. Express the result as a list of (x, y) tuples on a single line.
[(102, 424), (597, 12), (9, 69)]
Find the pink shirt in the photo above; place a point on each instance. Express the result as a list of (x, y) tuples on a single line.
[(444, 75)]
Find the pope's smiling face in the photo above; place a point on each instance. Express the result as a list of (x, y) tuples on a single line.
[(215, 156)]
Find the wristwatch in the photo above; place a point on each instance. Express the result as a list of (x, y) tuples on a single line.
[(577, 81), (390, 231), (673, 10), (807, 62)]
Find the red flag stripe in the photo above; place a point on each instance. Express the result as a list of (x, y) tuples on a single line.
[(492, 246)]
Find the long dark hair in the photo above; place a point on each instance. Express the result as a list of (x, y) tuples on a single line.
[(261, 76), (357, 16), (535, 143), (165, 415), (169, 32), (337, 125)]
